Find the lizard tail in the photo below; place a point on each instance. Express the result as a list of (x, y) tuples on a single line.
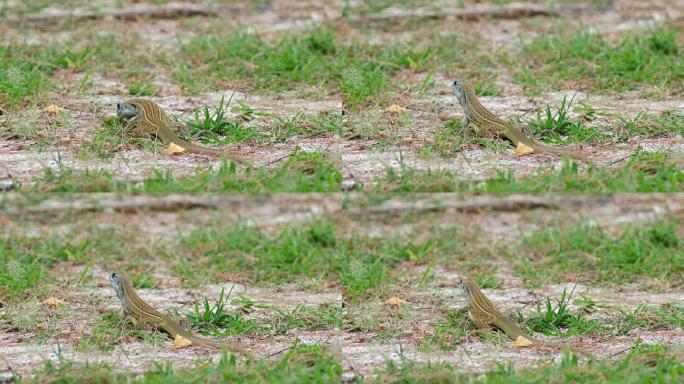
[(544, 149), (516, 136), (201, 341), (555, 151), (196, 340), (167, 137), (559, 346)]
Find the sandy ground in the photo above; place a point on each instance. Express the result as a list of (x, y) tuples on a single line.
[(164, 218), (362, 350), (364, 159)]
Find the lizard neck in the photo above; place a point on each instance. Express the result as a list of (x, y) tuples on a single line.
[(134, 305), (481, 307), (476, 112), (477, 300)]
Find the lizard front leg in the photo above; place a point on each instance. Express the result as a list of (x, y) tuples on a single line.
[(148, 325), (143, 131), (465, 121), (480, 323)]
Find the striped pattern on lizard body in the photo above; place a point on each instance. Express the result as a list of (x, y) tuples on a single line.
[(482, 118), (485, 315), (149, 120), (147, 316)]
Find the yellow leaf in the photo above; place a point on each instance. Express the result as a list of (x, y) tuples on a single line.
[(53, 109), (521, 341), (523, 149), (394, 302), (181, 342), (174, 149), (395, 110), (53, 302)]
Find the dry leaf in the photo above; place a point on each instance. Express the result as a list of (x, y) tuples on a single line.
[(395, 110), (521, 341), (394, 302), (53, 302), (174, 149), (53, 109), (181, 342), (523, 149)]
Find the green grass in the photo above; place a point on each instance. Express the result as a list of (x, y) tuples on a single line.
[(105, 334), (652, 57), (34, 6), (643, 172), (309, 125), (557, 127), (19, 271), (558, 321), (215, 128), (669, 315), (315, 251), (653, 250), (143, 87), (449, 333), (312, 58), (106, 141), (301, 364), (24, 263), (26, 69), (21, 75), (651, 125), (300, 172), (560, 129), (449, 141), (213, 318), (315, 364), (361, 265), (308, 317), (643, 364)]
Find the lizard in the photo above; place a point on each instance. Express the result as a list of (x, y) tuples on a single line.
[(485, 315), (148, 119), (146, 316), (480, 117)]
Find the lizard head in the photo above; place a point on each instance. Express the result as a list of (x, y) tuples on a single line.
[(127, 110), (458, 87), (462, 285), (117, 280), (467, 286)]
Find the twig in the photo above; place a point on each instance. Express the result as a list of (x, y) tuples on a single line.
[(131, 203), (620, 352), (622, 158), (509, 11), (133, 12), (278, 352), (278, 159), (473, 204)]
